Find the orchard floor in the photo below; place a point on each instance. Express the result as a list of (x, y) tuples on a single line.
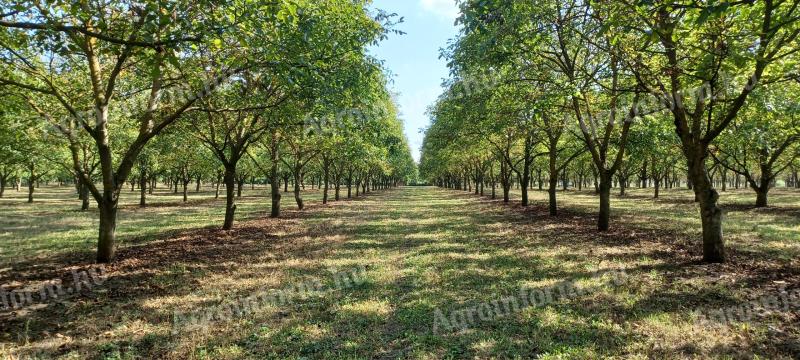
[(421, 251)]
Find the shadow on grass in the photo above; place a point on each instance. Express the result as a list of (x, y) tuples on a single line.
[(426, 249)]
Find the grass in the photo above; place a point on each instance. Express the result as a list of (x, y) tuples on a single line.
[(424, 249), (54, 223)]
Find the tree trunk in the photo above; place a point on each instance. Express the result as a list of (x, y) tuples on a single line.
[(297, 196), (763, 186), (657, 185), (505, 180), (796, 179), (85, 198), (275, 184), (551, 191), (216, 192), (142, 189), (230, 196), (364, 185), (325, 168), (605, 203), (185, 187), (494, 186), (539, 179), (553, 178), (350, 185), (526, 178), (336, 186), (710, 214), (106, 243), (761, 198), (31, 187)]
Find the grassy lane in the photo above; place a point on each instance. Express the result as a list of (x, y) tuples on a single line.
[(423, 256)]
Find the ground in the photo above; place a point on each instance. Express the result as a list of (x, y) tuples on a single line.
[(418, 257)]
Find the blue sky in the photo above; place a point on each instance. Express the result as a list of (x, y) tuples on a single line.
[(413, 58)]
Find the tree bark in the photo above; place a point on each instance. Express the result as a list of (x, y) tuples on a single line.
[(761, 198), (526, 175), (710, 214), (84, 196), (230, 196), (656, 185), (106, 243), (31, 187), (364, 185), (142, 188), (763, 186), (336, 186), (325, 173), (219, 180), (505, 180), (796, 179), (552, 186), (297, 196), (350, 184), (275, 182), (605, 203), (185, 191)]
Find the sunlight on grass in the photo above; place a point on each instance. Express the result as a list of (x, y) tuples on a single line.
[(423, 249)]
